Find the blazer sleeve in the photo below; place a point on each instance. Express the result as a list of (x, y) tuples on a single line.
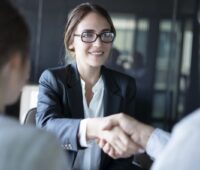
[(50, 112)]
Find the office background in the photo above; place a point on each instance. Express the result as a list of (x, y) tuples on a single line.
[(157, 43)]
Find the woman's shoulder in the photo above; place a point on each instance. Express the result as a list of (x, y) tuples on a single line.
[(59, 77), (113, 74), (58, 72)]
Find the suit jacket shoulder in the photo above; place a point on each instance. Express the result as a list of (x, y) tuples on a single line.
[(61, 77), (25, 143)]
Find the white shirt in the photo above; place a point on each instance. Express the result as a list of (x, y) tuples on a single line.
[(89, 159), (156, 143), (182, 151)]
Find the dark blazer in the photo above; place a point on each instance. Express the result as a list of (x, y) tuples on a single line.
[(60, 107)]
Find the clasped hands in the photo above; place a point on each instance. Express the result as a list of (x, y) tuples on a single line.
[(119, 135)]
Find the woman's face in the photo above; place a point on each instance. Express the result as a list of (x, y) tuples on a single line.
[(92, 54)]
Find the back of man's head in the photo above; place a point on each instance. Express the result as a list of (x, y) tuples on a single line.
[(14, 33)]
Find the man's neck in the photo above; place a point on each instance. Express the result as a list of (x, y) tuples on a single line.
[(1, 109), (2, 94)]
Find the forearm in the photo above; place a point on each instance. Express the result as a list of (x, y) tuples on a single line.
[(142, 134), (157, 142), (66, 130), (94, 127)]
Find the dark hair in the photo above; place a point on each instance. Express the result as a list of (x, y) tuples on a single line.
[(14, 33), (77, 14)]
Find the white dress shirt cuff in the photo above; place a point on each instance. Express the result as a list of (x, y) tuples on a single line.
[(82, 134), (157, 142)]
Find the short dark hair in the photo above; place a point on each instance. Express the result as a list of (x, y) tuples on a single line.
[(77, 14), (14, 33)]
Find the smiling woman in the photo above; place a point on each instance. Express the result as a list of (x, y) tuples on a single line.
[(73, 99)]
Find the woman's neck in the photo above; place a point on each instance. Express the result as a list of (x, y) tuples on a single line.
[(89, 75)]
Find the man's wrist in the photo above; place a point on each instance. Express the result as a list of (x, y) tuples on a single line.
[(144, 132)]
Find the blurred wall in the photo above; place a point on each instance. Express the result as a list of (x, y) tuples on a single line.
[(47, 19)]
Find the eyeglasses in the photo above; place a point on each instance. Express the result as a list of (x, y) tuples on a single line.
[(90, 37)]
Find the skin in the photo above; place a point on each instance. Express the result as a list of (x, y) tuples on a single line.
[(13, 75), (138, 132), (91, 56)]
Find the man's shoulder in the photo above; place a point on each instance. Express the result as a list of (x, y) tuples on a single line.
[(29, 143), (11, 128), (190, 122)]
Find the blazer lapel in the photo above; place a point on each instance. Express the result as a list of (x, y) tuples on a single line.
[(112, 105), (112, 96), (75, 93)]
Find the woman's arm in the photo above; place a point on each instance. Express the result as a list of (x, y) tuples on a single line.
[(50, 114)]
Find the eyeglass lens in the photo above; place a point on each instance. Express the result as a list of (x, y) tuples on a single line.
[(106, 37)]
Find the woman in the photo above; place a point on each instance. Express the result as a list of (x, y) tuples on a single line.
[(21, 147), (71, 98)]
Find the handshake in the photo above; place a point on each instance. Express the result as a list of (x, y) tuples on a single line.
[(119, 135)]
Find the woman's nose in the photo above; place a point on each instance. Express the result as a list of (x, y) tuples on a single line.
[(98, 41)]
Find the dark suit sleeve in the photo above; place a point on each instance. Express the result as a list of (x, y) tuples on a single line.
[(50, 112)]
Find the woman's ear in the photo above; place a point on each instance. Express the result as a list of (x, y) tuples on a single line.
[(71, 47)]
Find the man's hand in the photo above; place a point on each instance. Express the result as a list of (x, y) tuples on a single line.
[(119, 135), (114, 141), (117, 144), (137, 131)]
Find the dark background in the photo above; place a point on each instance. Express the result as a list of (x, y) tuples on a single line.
[(47, 18)]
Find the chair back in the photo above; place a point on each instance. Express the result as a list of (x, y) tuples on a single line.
[(28, 100), (30, 117)]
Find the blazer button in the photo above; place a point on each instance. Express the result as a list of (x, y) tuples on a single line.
[(68, 146)]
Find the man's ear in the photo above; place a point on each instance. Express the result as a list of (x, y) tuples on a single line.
[(16, 61)]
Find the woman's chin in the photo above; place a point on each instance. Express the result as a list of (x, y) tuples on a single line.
[(96, 63)]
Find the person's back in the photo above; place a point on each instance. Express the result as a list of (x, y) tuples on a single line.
[(182, 151), (28, 148), (21, 147)]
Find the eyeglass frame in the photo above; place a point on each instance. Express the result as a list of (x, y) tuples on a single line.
[(97, 35)]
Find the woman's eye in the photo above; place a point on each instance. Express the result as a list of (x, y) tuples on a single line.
[(87, 34), (107, 34)]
